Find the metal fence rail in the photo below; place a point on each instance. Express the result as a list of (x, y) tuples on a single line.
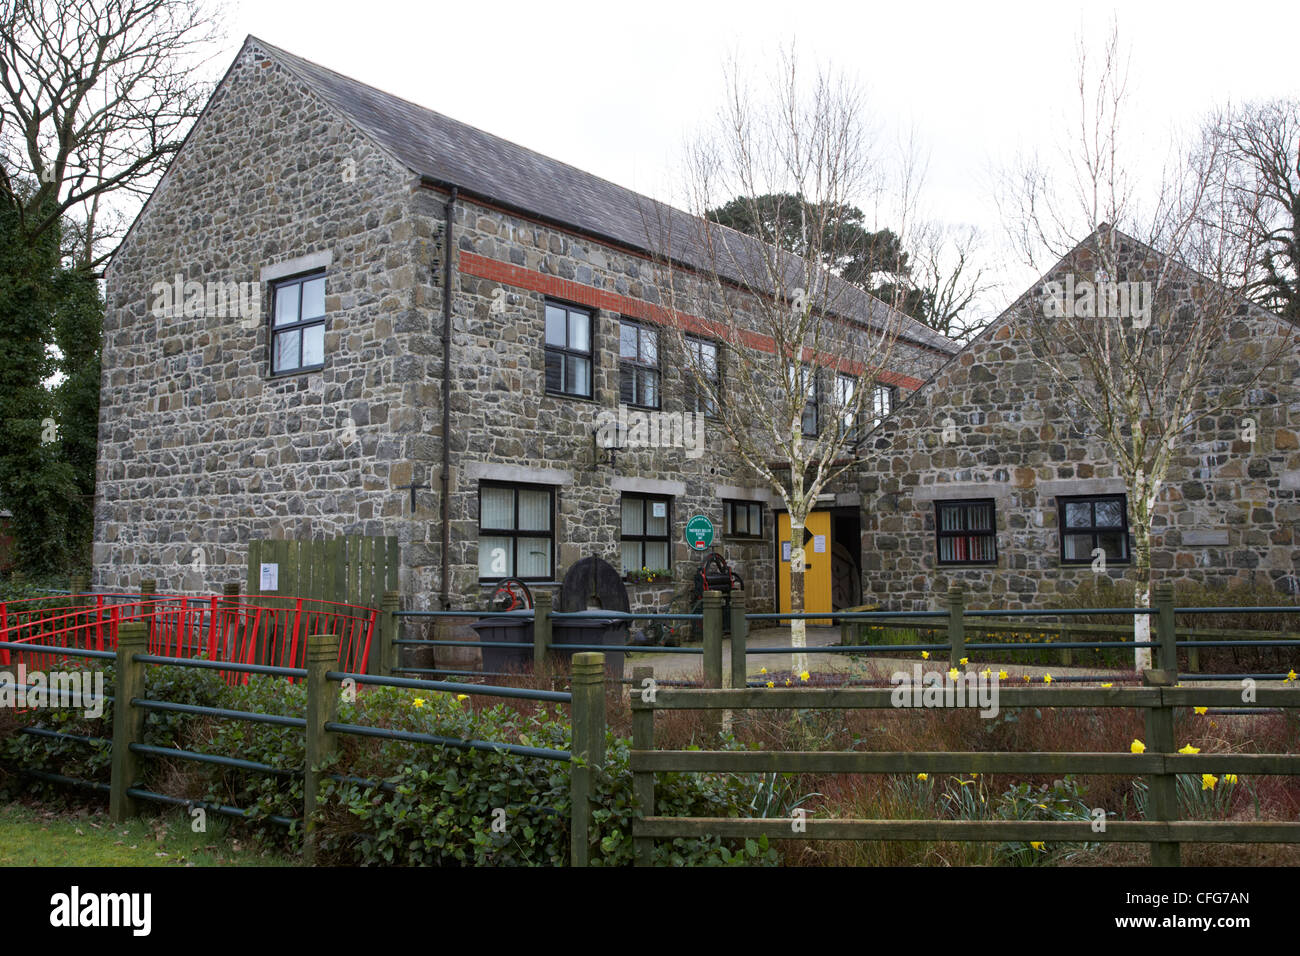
[(1160, 764), (320, 726)]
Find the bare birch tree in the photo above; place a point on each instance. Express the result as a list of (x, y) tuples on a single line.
[(1138, 323), (790, 384)]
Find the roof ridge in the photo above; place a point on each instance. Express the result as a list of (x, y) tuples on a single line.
[(407, 145)]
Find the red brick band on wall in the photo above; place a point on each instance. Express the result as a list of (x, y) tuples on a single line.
[(520, 278)]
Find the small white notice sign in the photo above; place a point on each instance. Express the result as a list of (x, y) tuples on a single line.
[(785, 550), (270, 577), (659, 509), (819, 544)]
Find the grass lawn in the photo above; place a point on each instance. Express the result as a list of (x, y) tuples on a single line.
[(33, 837)]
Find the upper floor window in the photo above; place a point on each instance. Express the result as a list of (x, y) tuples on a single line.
[(883, 400), (515, 536), (638, 365), (298, 324), (846, 387), (1091, 522), (808, 384), (568, 350), (703, 358), (965, 532)]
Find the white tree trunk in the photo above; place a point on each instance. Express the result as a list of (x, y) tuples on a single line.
[(798, 627), (1142, 587)]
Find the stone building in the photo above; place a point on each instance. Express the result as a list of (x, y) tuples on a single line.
[(990, 475), (338, 303)]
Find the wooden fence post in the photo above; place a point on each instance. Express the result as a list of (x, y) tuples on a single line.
[(588, 748), (148, 593), (78, 584), (713, 639), (1162, 788), (643, 738), (739, 642), (322, 708), (956, 625), (128, 720), (390, 653), (542, 606), (1166, 635)]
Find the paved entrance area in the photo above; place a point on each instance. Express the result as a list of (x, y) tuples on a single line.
[(668, 666)]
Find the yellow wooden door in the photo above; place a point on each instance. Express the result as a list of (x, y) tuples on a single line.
[(817, 563)]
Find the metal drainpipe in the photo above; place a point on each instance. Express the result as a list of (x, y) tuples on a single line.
[(448, 238)]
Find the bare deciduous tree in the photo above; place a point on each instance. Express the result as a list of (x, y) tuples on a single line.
[(801, 350), (947, 269), (1146, 355), (97, 97), (1257, 149)]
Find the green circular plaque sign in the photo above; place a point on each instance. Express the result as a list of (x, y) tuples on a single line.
[(699, 533)]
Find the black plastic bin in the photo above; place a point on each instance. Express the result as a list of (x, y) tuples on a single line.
[(594, 627), (505, 630)]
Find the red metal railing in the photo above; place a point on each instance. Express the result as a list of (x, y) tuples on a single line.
[(256, 630)]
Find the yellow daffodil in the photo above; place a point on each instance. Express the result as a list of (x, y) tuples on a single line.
[(1037, 845), (787, 682), (1041, 806), (417, 702), (925, 655), (954, 673), (1026, 677), (1047, 678), (987, 673), (762, 670), (1002, 675), (1208, 780), (804, 675), (1107, 685), (1137, 747), (1291, 676), (1189, 749), (922, 776), (1230, 778), (964, 661), (770, 684), (1201, 711), (462, 696)]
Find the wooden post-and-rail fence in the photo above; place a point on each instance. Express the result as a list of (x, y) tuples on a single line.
[(586, 700), (1160, 763)]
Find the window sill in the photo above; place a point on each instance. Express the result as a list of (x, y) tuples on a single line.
[(293, 373), (572, 398)]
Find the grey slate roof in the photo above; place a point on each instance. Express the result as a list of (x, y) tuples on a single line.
[(487, 167)]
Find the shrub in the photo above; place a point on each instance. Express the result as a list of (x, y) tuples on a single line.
[(392, 802)]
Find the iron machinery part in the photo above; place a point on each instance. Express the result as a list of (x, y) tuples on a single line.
[(511, 594)]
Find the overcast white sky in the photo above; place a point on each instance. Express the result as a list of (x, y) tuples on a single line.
[(617, 88)]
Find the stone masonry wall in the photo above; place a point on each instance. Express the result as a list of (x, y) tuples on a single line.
[(201, 449), (1227, 513)]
